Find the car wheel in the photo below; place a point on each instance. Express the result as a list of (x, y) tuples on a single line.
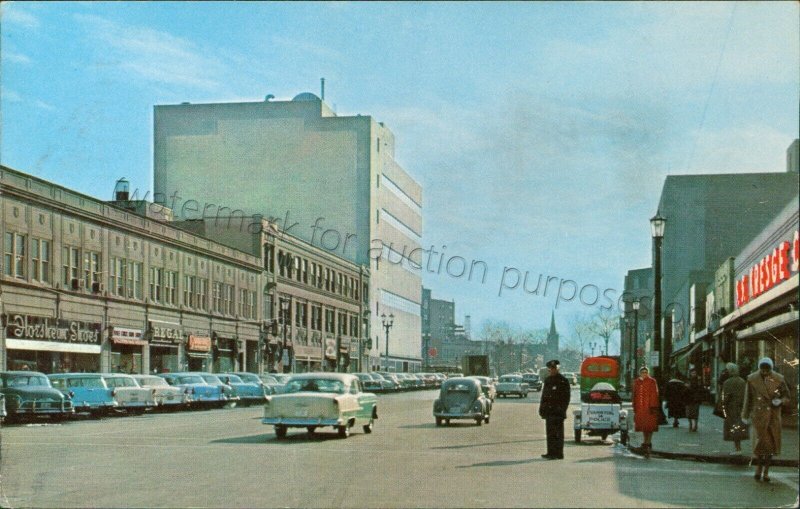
[(311, 429), (623, 438), (368, 427), (479, 421), (525, 395), (438, 421), (344, 431), (604, 436), (280, 431), (577, 436), (447, 422), (486, 419)]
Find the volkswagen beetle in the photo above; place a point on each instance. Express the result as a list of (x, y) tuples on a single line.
[(462, 398)]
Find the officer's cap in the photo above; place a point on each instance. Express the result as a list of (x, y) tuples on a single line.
[(552, 364)]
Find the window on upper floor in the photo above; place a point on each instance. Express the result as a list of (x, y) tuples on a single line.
[(14, 260), (40, 260)]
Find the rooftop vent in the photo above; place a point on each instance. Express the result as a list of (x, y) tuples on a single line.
[(306, 97), (122, 190)]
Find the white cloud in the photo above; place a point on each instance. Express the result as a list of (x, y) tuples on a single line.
[(18, 58), (153, 55), (12, 14)]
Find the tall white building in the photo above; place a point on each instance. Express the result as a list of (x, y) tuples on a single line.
[(327, 179)]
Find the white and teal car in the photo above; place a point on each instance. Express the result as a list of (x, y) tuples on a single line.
[(314, 400)]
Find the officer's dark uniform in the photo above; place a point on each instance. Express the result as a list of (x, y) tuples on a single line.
[(553, 409)]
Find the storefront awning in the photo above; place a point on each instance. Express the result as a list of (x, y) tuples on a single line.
[(776, 322), (686, 350), (50, 346)]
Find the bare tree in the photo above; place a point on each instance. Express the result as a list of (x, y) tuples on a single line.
[(581, 333), (603, 324)]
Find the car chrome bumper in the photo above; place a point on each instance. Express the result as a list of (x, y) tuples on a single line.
[(450, 415), (300, 421)]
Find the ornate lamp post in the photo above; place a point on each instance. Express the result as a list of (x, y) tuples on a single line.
[(657, 224), (387, 324), (635, 349)]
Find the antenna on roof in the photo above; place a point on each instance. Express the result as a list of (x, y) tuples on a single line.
[(322, 88)]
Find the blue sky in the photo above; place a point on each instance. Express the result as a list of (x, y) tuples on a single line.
[(541, 132)]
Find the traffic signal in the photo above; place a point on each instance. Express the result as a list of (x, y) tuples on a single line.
[(368, 344)]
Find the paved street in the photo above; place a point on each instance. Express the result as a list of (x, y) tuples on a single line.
[(227, 458)]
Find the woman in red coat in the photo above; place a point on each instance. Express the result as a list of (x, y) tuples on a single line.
[(645, 408)]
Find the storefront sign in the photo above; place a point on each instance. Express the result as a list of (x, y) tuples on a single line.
[(39, 328), (123, 336), (199, 344), (330, 348), (344, 346), (163, 332), (776, 267)]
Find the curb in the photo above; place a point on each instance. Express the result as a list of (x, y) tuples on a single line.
[(704, 458)]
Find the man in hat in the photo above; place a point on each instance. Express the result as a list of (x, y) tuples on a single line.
[(553, 409)]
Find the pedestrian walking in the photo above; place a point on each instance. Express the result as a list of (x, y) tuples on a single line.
[(553, 409), (732, 396), (765, 392), (675, 393), (646, 408), (694, 396)]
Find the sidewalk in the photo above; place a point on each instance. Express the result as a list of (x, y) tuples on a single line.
[(706, 443)]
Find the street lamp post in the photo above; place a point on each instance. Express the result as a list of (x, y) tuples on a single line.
[(592, 345), (387, 324), (657, 224), (635, 350), (285, 315)]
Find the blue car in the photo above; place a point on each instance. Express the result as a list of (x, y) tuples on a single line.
[(203, 395), (89, 392), (228, 391), (248, 392)]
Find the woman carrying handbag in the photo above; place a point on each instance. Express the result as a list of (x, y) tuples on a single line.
[(732, 399)]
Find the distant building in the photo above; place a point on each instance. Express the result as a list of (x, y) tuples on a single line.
[(636, 328), (329, 180)]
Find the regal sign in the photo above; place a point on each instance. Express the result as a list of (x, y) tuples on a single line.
[(163, 332), (776, 267), (40, 328)]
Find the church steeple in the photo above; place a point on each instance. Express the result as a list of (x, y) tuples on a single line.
[(552, 338), (552, 333)]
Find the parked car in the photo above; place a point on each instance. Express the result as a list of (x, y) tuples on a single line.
[(2, 407), (397, 385), (274, 385), (228, 391), (249, 393), (534, 382), (462, 398), (88, 392), (203, 395), (29, 394), (313, 400), (255, 379), (511, 384), (368, 383), (571, 378), (129, 395), (166, 396), (386, 384), (487, 386)]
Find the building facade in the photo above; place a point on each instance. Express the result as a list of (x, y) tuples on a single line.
[(329, 180), (88, 286)]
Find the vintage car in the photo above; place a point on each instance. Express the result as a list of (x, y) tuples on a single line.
[(313, 400), (462, 398), (275, 387), (166, 396), (88, 391), (2, 407), (29, 394), (252, 378), (389, 383), (571, 378), (487, 385), (227, 390), (203, 395), (130, 397), (249, 393), (368, 383), (533, 381), (511, 384), (602, 414)]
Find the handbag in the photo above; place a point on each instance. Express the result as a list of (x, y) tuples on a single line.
[(739, 431), (719, 410)]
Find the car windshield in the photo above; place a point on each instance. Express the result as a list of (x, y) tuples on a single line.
[(121, 381), (91, 383), (249, 377), (510, 379), (189, 379), (25, 381), (315, 385), (211, 379), (269, 379), (282, 378), (233, 379), (152, 381), (460, 387)]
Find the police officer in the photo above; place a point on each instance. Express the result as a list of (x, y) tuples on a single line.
[(553, 409)]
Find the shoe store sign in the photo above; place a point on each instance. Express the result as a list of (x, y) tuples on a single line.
[(774, 268), (39, 328)]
